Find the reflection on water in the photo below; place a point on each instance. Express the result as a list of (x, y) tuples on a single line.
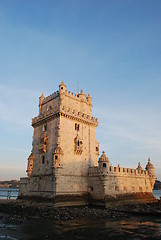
[(110, 229)]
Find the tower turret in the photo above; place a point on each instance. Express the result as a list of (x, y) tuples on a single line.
[(151, 171), (82, 95), (103, 162), (62, 87), (41, 98), (89, 99), (139, 167)]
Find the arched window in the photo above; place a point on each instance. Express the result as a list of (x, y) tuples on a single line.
[(104, 165)]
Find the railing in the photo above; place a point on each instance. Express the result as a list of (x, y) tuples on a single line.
[(8, 193)]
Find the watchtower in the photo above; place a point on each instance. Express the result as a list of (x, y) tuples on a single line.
[(64, 144)]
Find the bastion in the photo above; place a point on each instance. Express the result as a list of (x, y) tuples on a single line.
[(64, 165)]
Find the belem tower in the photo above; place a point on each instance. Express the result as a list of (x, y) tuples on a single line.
[(64, 165)]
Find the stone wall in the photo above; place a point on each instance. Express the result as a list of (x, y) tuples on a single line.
[(116, 181), (39, 187)]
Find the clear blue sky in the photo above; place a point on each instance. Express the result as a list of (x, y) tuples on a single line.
[(112, 48)]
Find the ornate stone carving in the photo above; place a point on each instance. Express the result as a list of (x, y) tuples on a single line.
[(30, 165), (78, 145), (58, 152), (43, 143)]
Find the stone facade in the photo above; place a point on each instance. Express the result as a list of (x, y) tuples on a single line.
[(63, 161)]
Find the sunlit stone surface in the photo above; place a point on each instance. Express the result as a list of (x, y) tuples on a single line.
[(63, 162)]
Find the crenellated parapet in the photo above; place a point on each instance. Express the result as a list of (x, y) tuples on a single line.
[(64, 107), (79, 116), (42, 117), (50, 97), (66, 112), (80, 97), (105, 168), (118, 171)]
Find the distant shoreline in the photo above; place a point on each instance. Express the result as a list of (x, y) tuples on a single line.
[(9, 184)]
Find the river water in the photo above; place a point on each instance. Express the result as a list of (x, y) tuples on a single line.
[(11, 193), (127, 228)]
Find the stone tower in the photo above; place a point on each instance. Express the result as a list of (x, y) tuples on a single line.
[(63, 164), (64, 145)]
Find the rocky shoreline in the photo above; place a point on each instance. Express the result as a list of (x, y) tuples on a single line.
[(21, 210)]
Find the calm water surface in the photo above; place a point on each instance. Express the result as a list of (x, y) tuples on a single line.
[(8, 192)]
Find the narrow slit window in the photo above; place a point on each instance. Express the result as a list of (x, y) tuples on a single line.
[(45, 127), (43, 159), (76, 127)]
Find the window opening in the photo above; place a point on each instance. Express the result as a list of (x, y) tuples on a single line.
[(45, 127), (104, 165), (76, 127), (43, 159)]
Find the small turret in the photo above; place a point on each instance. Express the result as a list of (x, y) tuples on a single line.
[(139, 168), (41, 99), (82, 95), (151, 171), (103, 162), (89, 99), (62, 87)]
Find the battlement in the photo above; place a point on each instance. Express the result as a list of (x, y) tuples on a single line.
[(78, 97), (44, 116), (50, 97), (79, 115), (51, 112), (93, 171), (79, 102)]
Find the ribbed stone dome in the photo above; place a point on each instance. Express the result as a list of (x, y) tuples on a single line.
[(149, 165), (103, 158)]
